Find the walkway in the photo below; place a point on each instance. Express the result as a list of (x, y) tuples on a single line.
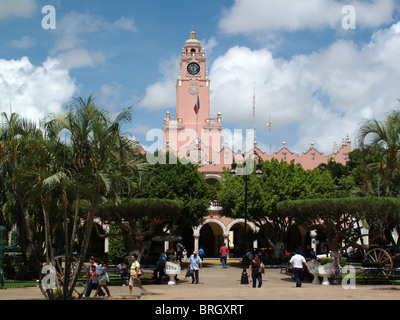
[(217, 284)]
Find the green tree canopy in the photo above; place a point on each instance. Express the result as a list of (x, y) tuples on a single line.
[(280, 181), (182, 182), (379, 143), (137, 219), (339, 218)]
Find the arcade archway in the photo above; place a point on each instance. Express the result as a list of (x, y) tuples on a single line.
[(211, 235)]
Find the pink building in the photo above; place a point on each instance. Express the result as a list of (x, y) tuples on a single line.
[(194, 135)]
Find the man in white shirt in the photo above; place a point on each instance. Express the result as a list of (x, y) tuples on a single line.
[(297, 262), (195, 264)]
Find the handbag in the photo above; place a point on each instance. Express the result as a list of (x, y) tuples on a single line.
[(140, 272), (261, 268)]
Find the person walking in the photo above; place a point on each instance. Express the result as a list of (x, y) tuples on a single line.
[(102, 277), (298, 262), (256, 268), (134, 279), (93, 282), (224, 251), (195, 264), (122, 272), (179, 250), (92, 285), (184, 254), (159, 271), (202, 254)]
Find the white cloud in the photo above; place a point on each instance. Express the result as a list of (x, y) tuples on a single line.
[(74, 30), (208, 45), (110, 94), (122, 23), (162, 94), (324, 94), (79, 58), (17, 8), (25, 42), (265, 16), (34, 91)]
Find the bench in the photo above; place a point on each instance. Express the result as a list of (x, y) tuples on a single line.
[(374, 274)]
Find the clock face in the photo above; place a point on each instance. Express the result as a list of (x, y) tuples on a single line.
[(193, 68)]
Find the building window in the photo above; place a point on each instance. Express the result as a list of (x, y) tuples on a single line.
[(312, 156), (284, 156)]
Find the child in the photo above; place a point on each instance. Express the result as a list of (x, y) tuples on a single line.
[(93, 280), (184, 254)]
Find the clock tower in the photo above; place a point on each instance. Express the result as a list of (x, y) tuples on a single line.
[(192, 133)]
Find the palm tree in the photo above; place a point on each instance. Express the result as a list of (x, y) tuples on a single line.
[(380, 140), (17, 153), (102, 160)]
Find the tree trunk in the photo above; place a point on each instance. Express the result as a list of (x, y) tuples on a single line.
[(135, 246), (335, 250), (84, 248), (279, 247)]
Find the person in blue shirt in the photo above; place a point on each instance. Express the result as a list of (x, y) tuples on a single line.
[(160, 270), (202, 254), (195, 264)]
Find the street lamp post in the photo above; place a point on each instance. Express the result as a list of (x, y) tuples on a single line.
[(246, 171)]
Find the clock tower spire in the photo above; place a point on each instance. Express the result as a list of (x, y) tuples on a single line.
[(192, 106), (192, 81)]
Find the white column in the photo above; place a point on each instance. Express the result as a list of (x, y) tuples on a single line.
[(196, 242)]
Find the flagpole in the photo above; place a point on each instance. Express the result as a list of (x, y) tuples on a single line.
[(197, 126), (197, 110)]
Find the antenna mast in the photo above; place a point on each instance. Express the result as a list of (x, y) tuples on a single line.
[(254, 117), (269, 125)]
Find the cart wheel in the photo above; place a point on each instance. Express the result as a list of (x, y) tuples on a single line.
[(382, 258)]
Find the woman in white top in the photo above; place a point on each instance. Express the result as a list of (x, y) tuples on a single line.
[(102, 277)]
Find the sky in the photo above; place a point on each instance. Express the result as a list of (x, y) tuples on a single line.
[(317, 68)]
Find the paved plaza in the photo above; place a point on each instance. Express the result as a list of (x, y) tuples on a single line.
[(217, 284)]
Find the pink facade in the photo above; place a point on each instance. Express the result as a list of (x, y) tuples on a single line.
[(192, 134), (309, 159), (198, 138)]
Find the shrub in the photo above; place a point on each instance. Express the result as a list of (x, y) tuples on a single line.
[(342, 262)]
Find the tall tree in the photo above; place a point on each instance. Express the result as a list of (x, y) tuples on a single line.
[(137, 219), (280, 181), (102, 160), (338, 218), (18, 139), (183, 182), (380, 142)]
